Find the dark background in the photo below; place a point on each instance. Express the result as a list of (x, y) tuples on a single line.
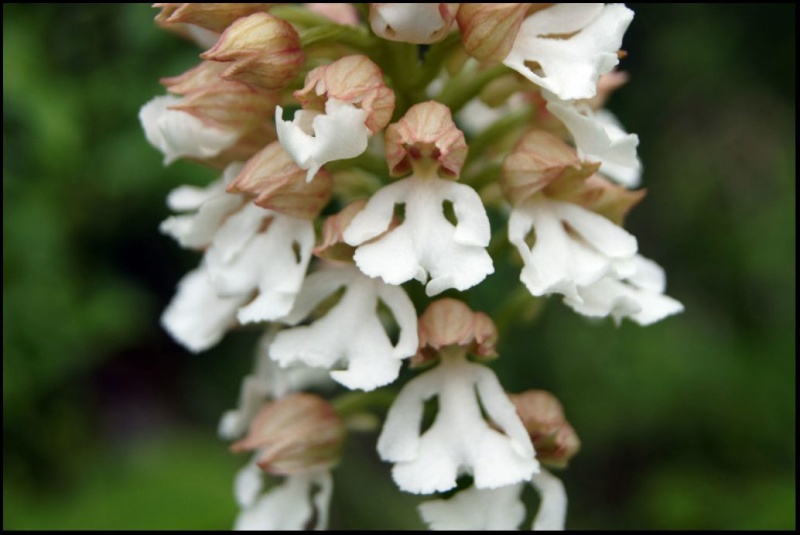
[(687, 424)]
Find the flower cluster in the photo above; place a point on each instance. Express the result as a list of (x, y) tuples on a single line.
[(362, 148)]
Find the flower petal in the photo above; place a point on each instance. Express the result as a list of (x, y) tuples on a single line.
[(197, 317), (178, 134), (338, 134), (476, 509)]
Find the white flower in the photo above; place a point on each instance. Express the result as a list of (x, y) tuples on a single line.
[(206, 209), (300, 502), (242, 258), (460, 440), (553, 502), (351, 332), (249, 273), (198, 317), (177, 133), (571, 44), (561, 260), (425, 243), (313, 139), (638, 296), (476, 509), (599, 137), (499, 509)]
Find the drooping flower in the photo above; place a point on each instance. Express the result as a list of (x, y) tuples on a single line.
[(177, 133), (579, 250), (600, 137), (565, 48), (425, 245), (254, 262)]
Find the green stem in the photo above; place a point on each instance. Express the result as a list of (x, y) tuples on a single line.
[(466, 85), (355, 402)]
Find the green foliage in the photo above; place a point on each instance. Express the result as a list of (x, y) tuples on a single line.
[(688, 424)]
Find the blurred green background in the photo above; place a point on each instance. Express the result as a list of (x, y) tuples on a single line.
[(688, 424)]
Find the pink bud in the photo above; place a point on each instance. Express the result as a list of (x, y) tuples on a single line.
[(426, 137), (263, 51), (279, 185), (293, 434)]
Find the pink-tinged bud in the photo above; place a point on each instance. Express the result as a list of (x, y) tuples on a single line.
[(554, 439), (412, 23), (450, 322), (203, 75), (539, 160), (230, 105), (488, 30), (602, 196), (264, 51), (279, 185), (352, 80), (214, 17), (426, 137), (294, 434), (344, 14)]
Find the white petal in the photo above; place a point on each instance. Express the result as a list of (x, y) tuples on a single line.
[(273, 261), (425, 244), (177, 133), (621, 299), (290, 506), (338, 134), (607, 238), (600, 138), (248, 484), (570, 66), (476, 509), (407, 23), (351, 333), (553, 506), (459, 440), (197, 317)]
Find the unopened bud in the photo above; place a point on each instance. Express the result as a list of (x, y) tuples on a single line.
[(412, 23), (230, 105), (604, 197), (554, 439), (353, 80), (539, 160), (214, 17), (294, 434), (450, 322), (488, 30), (426, 137), (264, 51), (203, 75), (279, 185)]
